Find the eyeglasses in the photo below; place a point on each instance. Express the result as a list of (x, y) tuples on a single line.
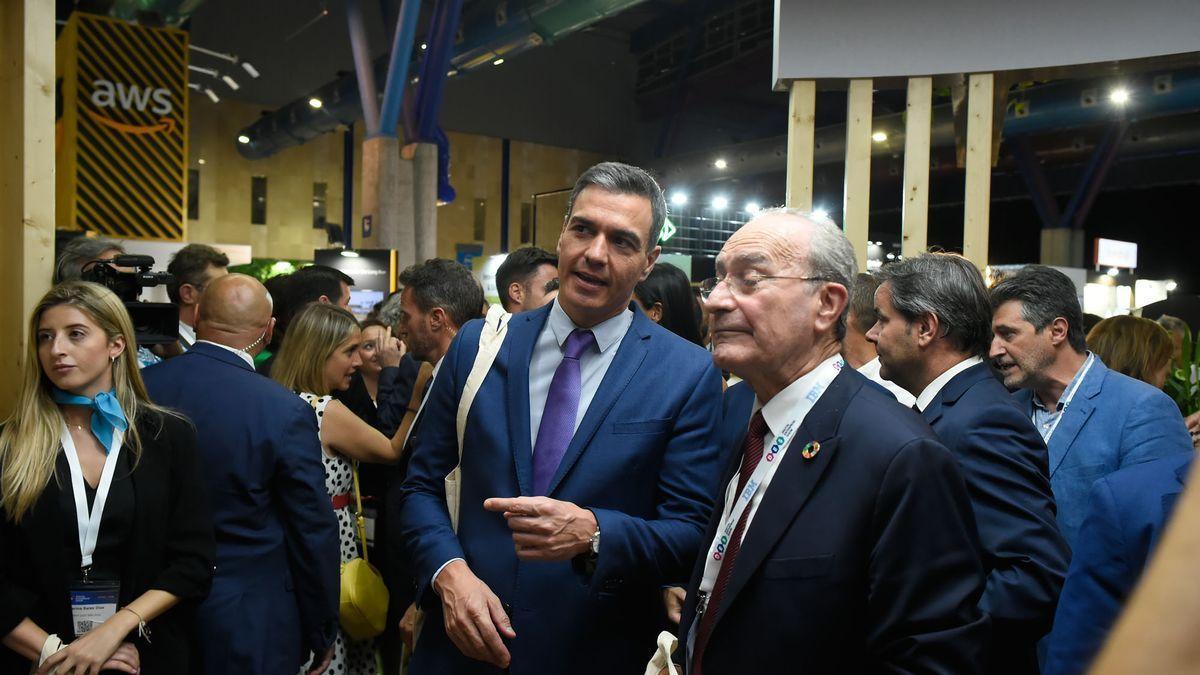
[(744, 285)]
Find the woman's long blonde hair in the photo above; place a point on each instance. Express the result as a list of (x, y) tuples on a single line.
[(311, 338), (32, 434)]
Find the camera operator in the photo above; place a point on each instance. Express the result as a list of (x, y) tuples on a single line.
[(82, 252)]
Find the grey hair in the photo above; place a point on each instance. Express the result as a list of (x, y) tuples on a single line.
[(830, 255), (77, 253), (949, 287), (389, 312), (1045, 294), (624, 179)]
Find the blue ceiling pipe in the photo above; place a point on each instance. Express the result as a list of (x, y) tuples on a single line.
[(489, 32), (401, 59), (363, 70)]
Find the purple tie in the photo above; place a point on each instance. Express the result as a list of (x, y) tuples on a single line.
[(558, 417)]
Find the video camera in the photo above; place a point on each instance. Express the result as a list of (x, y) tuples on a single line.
[(155, 323)]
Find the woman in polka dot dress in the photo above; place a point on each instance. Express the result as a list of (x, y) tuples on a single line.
[(319, 355)]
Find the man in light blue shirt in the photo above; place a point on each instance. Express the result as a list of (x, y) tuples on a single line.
[(1094, 420)]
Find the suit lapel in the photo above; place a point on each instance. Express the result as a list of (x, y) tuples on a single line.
[(1076, 415), (793, 483), (523, 331), (1170, 498), (953, 390), (630, 354)]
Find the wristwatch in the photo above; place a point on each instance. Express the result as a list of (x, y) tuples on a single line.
[(594, 542)]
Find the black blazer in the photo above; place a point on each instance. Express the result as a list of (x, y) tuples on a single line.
[(172, 549), (863, 559), (1025, 558)]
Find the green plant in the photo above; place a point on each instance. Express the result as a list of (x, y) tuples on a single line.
[(265, 268), (1183, 385)]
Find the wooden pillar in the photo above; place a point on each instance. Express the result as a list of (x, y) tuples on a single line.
[(802, 113), (978, 169), (856, 202), (915, 206), (26, 174)]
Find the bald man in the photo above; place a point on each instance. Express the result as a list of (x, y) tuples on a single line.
[(274, 600)]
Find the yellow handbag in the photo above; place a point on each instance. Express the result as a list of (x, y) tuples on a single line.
[(364, 597)]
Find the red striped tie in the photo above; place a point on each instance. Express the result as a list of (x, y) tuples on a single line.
[(752, 452)]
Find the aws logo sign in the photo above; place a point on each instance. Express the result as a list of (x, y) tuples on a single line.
[(108, 95)]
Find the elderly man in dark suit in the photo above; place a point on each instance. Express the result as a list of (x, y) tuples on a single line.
[(843, 538), (933, 323), (275, 595)]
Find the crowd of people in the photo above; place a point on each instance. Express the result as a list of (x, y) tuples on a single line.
[(794, 466)]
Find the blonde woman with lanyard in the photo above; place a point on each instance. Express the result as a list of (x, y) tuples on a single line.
[(320, 354), (103, 527)]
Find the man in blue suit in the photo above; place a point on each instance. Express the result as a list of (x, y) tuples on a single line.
[(274, 598), (1093, 420), (843, 539), (1127, 514), (933, 322), (589, 463)]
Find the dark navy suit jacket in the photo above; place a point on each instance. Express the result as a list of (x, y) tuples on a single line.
[(1114, 421), (1127, 513), (1025, 557), (863, 559), (644, 460), (275, 593)]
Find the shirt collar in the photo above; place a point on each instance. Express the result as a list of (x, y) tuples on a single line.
[(1071, 390), (608, 332), (934, 388), (187, 333), (244, 356), (777, 412)]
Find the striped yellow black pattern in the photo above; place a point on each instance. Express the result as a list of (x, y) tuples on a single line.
[(125, 120)]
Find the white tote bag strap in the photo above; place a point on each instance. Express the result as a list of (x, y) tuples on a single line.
[(495, 327)]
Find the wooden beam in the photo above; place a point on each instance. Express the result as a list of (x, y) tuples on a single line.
[(802, 114), (915, 206), (978, 200), (856, 201), (26, 174)]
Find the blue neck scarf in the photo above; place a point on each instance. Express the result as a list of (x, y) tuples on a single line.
[(106, 413)]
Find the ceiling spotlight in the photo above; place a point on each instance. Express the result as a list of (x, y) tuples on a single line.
[(1112, 271), (498, 62), (1120, 96), (1171, 285), (720, 203), (720, 163), (200, 161), (451, 73), (349, 254), (230, 81), (879, 136), (212, 95), (753, 207), (250, 70), (243, 139), (315, 102), (820, 214), (424, 46), (679, 198)]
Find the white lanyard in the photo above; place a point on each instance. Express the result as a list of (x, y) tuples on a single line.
[(89, 522), (1069, 396)]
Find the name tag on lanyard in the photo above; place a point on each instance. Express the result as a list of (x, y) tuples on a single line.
[(93, 601)]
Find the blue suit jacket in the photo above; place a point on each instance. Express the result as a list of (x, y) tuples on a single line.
[(1113, 422), (644, 460), (1127, 514), (1024, 556), (863, 559), (276, 588)]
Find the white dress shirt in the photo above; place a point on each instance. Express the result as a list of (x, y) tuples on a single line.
[(931, 390), (244, 356), (870, 370), (593, 364), (187, 335)]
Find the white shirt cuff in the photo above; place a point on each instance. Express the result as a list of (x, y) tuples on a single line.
[(439, 570)]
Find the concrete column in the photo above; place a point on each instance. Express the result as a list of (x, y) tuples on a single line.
[(26, 174), (1062, 247), (387, 199), (425, 180)]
